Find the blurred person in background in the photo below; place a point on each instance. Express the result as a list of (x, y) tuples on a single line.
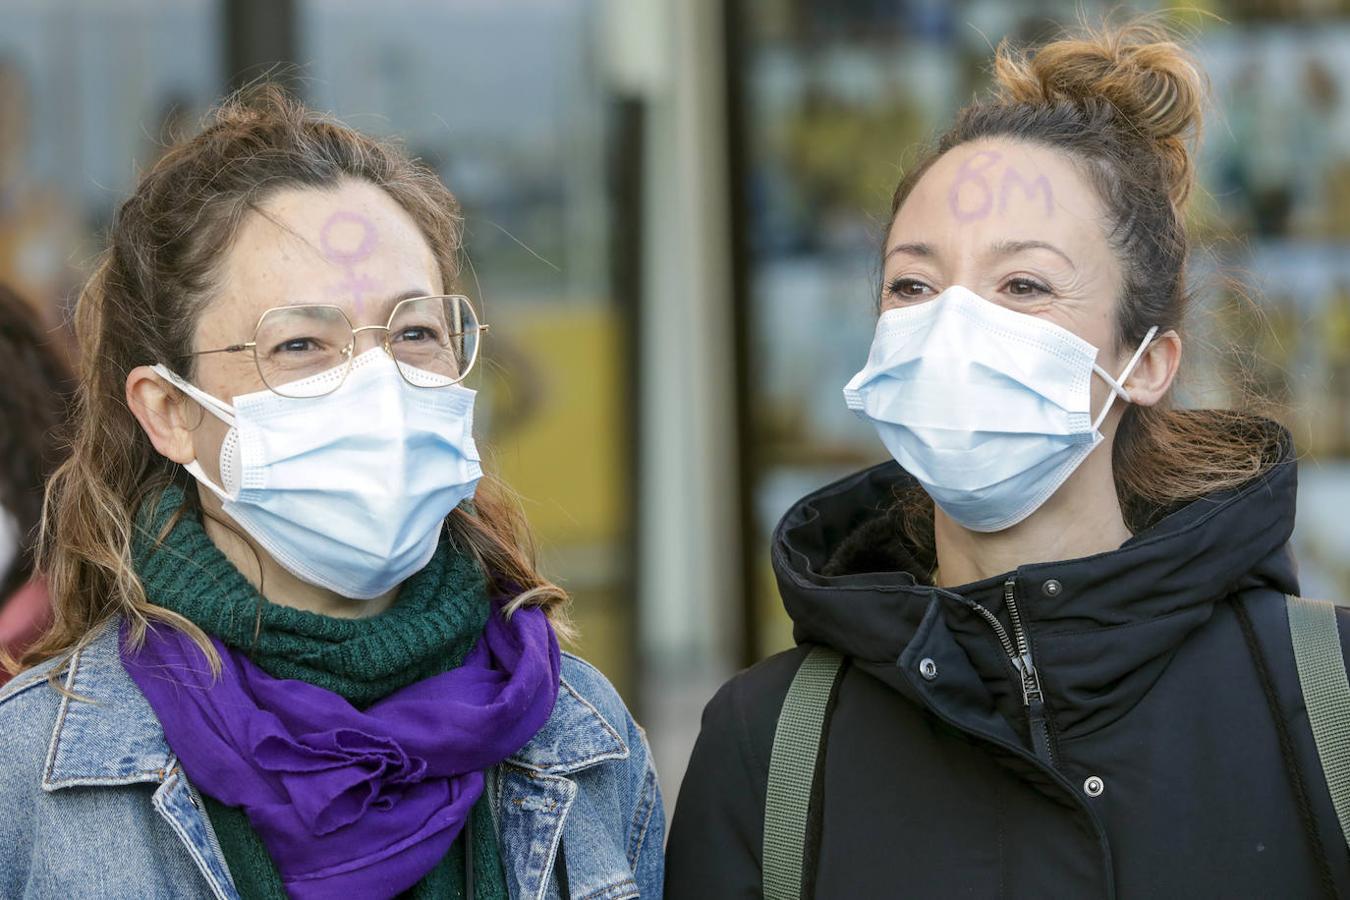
[(34, 387), (1047, 646), (301, 647)]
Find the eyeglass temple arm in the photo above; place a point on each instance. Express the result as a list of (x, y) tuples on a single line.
[(236, 348), (233, 348)]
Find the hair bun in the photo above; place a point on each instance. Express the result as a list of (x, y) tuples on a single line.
[(1154, 85)]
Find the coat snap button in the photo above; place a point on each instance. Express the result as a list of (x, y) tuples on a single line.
[(928, 669), (1052, 588), (1094, 786)]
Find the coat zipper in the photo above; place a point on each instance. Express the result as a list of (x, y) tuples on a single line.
[(1018, 648), (1019, 751)]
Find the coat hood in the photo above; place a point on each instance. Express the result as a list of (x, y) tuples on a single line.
[(1103, 627)]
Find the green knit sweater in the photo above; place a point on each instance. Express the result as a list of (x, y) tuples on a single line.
[(438, 616)]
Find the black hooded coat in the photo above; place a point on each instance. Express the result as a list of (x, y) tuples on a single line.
[(1168, 755)]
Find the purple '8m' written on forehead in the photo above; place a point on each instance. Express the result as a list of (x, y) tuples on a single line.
[(972, 196)]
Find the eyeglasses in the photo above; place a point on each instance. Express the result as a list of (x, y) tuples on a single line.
[(433, 340)]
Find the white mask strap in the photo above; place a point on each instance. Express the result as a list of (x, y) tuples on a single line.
[(222, 411), (218, 408), (1118, 384), (195, 470)]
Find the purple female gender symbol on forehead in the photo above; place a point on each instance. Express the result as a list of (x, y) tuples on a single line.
[(362, 250), (356, 284)]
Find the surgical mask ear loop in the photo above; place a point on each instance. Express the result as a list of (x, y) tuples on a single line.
[(217, 408), (222, 411), (1118, 384)]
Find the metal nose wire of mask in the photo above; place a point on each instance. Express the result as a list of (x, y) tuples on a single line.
[(225, 412), (1117, 384)]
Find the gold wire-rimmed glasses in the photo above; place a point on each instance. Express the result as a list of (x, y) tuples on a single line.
[(433, 340)]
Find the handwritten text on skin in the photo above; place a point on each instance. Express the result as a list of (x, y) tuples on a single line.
[(347, 239), (971, 197)]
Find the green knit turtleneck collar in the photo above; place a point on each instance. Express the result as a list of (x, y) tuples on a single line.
[(438, 615)]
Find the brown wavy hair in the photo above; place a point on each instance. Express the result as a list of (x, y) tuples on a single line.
[(141, 306), (1124, 103)]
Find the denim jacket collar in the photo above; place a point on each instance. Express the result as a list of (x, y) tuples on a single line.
[(110, 736), (112, 739), (116, 739), (575, 737)]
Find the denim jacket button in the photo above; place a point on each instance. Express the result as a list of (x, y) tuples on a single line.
[(928, 669)]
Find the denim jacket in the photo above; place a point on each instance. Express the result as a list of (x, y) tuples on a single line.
[(93, 803)]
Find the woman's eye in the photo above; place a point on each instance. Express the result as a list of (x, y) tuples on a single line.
[(415, 334), (1025, 287), (297, 345), (907, 288)]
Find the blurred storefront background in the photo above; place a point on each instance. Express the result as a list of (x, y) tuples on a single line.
[(674, 211)]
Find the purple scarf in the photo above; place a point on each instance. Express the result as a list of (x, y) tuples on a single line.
[(349, 802)]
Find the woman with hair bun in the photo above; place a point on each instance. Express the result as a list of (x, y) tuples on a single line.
[(300, 647), (1046, 650)]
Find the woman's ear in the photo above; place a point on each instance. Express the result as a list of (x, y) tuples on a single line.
[(163, 412), (1157, 368)]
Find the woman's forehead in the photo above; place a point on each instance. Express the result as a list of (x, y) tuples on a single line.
[(353, 247), (988, 193)]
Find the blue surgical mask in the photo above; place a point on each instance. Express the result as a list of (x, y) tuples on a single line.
[(348, 490), (989, 409)]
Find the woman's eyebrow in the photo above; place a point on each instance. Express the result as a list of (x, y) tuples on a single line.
[(913, 249), (1008, 248), (388, 305)]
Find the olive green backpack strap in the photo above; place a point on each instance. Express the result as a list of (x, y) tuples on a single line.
[(792, 772), (1326, 693)]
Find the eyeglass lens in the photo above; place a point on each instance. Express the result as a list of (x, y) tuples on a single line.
[(434, 341)]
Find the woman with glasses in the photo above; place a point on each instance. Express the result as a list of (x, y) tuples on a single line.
[(300, 647)]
